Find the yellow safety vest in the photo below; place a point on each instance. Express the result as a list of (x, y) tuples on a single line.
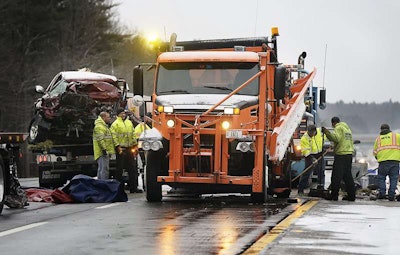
[(311, 145), (387, 147), (122, 133)]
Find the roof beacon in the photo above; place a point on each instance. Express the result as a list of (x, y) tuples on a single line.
[(178, 48)]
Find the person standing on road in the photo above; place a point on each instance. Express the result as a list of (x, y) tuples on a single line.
[(387, 153), (311, 148), (139, 129), (343, 149), (126, 149), (103, 146)]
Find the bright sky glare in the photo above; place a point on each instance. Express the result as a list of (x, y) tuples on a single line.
[(361, 36)]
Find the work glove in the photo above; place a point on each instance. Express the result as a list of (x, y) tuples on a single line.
[(104, 152), (324, 130), (118, 149)]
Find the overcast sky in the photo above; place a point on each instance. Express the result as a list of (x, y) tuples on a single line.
[(362, 36)]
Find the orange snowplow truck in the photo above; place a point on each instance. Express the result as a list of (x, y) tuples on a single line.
[(224, 113)]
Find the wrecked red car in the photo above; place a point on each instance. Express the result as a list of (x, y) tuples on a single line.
[(69, 106)]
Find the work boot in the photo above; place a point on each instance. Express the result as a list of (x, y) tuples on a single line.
[(136, 191), (301, 194), (331, 198), (381, 196), (347, 198)]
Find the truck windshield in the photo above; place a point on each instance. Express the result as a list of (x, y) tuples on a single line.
[(206, 78)]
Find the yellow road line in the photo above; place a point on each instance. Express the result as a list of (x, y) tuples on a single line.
[(261, 243)]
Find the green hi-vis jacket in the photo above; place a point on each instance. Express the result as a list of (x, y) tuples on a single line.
[(311, 145), (387, 147), (122, 133), (342, 139), (102, 139)]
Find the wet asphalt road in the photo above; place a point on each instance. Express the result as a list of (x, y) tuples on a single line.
[(210, 225)]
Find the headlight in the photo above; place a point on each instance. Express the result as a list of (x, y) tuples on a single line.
[(245, 146), (155, 146), (170, 123), (231, 111), (151, 145), (168, 109), (226, 124), (146, 145)]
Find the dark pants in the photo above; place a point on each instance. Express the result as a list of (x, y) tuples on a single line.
[(391, 169), (342, 171), (126, 160), (319, 170), (305, 178)]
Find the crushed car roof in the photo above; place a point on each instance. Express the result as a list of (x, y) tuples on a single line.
[(81, 75)]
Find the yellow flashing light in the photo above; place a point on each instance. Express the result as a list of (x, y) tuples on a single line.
[(231, 111), (153, 40), (160, 108), (274, 31)]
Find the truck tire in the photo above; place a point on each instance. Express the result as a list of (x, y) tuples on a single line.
[(153, 167), (2, 185), (37, 133), (258, 198)]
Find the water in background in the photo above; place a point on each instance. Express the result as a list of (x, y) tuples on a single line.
[(365, 149)]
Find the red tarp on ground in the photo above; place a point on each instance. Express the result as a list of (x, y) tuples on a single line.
[(48, 195)]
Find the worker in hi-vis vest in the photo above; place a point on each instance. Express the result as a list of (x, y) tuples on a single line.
[(343, 148), (387, 152), (139, 129), (311, 148), (126, 149)]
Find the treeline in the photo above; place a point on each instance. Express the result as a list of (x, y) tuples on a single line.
[(363, 118), (40, 38)]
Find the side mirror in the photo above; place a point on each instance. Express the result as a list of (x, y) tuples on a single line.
[(39, 89), (138, 80), (279, 82)]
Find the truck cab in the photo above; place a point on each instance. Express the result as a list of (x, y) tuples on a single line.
[(224, 113)]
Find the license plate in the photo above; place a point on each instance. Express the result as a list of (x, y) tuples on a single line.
[(234, 134)]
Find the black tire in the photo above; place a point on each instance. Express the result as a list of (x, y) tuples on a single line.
[(258, 198), (36, 132), (284, 194), (2, 185), (153, 168)]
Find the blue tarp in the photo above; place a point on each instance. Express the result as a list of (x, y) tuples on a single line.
[(85, 189)]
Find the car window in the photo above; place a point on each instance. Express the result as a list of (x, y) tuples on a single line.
[(58, 88)]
